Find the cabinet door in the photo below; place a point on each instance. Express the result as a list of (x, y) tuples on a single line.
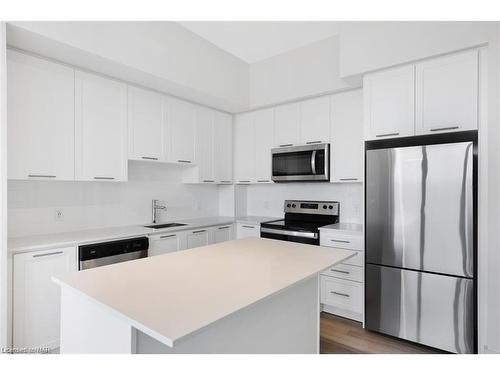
[(315, 120), (223, 233), (244, 148), (181, 131), (205, 144), (197, 238), (347, 150), (447, 93), (287, 125), (247, 230), (36, 298), (101, 128), (164, 243), (264, 141), (145, 124), (40, 119), (389, 103), (223, 130)]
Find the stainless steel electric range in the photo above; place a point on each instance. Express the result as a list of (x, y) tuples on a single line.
[(302, 221)]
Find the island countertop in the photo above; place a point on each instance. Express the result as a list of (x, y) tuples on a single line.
[(171, 296)]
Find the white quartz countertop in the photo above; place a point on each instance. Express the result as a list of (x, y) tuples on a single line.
[(254, 220), (54, 240), (173, 295), (352, 228)]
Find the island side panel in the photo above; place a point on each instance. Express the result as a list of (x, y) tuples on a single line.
[(287, 322), (88, 327)]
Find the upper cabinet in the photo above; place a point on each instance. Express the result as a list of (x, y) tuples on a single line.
[(264, 141), (315, 120), (40, 119), (145, 124), (100, 128), (180, 131), (287, 125), (205, 139), (223, 151), (347, 137), (447, 93), (389, 103), (244, 148)]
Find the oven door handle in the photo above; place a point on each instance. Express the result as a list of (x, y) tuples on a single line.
[(290, 233), (313, 162)]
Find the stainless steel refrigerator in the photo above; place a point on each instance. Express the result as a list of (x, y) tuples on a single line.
[(420, 240)]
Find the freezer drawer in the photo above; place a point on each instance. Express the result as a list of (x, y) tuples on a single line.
[(430, 309)]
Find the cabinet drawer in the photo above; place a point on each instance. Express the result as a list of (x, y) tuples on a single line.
[(346, 272), (341, 241), (343, 294), (247, 230), (356, 260)]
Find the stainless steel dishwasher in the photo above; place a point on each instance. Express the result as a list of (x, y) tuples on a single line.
[(104, 253)]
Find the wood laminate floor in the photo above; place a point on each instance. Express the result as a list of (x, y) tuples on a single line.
[(344, 336)]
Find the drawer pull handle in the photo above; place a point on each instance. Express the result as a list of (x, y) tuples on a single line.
[(348, 179), (341, 241), (226, 181), (199, 231), (168, 236), (47, 254), (248, 226), (42, 175), (243, 181), (184, 161), (287, 145), (445, 128), (262, 180), (341, 294), (148, 158), (208, 181), (312, 142), (340, 271), (223, 227), (386, 135), (104, 178)]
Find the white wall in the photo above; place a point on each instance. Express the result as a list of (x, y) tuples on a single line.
[(368, 46), (162, 55), (32, 204), (306, 71), (267, 200)]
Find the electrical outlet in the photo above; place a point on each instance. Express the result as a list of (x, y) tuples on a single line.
[(58, 214)]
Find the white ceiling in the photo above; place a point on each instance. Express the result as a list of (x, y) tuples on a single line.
[(252, 41)]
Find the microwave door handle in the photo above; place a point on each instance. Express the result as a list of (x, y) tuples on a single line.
[(313, 162)]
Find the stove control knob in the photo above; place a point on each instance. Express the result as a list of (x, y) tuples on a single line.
[(324, 207), (289, 205), (330, 207), (293, 205)]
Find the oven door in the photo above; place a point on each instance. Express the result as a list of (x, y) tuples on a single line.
[(301, 163), (291, 236)]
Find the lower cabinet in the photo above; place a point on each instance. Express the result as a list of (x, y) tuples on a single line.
[(222, 234), (36, 299), (247, 230), (167, 243), (197, 238)]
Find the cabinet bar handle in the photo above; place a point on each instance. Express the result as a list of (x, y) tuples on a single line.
[(148, 158), (223, 227), (287, 145), (312, 142), (168, 236), (248, 226), (184, 161), (42, 175), (262, 180), (47, 254), (445, 128), (104, 178), (340, 271), (386, 135), (341, 294), (243, 181), (208, 181), (226, 181), (341, 241), (348, 179), (199, 231)]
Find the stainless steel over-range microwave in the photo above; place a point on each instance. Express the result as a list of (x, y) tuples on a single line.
[(301, 163)]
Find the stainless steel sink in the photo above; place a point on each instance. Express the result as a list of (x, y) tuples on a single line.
[(166, 225)]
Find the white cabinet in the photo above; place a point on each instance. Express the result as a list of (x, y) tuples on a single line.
[(244, 148), (36, 299), (145, 124), (247, 230), (222, 233), (264, 141), (287, 125), (40, 119), (180, 131), (197, 238), (205, 144), (447, 93), (166, 243), (389, 108), (315, 120), (100, 128), (347, 151), (223, 134)]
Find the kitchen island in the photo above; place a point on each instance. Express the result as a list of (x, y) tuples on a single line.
[(246, 296)]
